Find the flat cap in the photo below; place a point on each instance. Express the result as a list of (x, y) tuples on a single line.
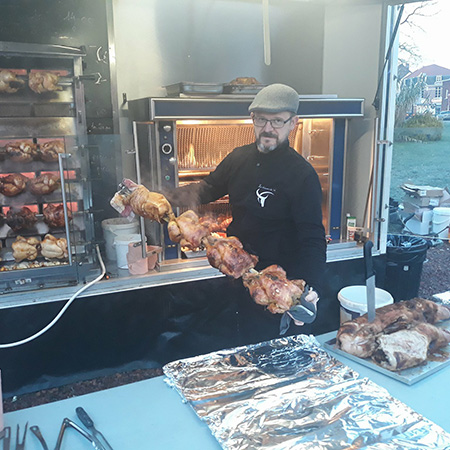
[(275, 98)]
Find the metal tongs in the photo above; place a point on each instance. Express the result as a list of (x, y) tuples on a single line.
[(69, 423)]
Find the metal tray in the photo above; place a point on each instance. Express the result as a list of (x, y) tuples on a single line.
[(244, 89), (407, 376), (188, 88)]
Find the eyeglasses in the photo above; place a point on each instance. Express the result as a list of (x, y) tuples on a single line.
[(275, 123)]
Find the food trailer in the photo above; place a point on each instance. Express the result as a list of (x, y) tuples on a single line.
[(145, 93)]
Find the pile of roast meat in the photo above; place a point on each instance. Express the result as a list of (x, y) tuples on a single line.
[(403, 334), (269, 287)]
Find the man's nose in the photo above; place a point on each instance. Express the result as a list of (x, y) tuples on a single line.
[(268, 125)]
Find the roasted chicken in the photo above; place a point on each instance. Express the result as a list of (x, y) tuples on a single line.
[(151, 205), (20, 219), (21, 151), (359, 336), (54, 248), (50, 150), (228, 255), (44, 184), (41, 82), (9, 83), (271, 288), (13, 184), (187, 230), (410, 347), (25, 248), (54, 215)]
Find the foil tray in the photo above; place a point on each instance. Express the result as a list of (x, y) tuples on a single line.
[(188, 88), (243, 89), (290, 393), (407, 376)]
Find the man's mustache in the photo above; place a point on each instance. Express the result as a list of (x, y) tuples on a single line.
[(269, 135)]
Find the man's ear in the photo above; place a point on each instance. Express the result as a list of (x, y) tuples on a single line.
[(294, 122)]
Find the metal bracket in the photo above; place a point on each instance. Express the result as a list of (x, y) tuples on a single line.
[(385, 142)]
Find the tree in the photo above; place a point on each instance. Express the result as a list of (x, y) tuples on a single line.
[(408, 93)]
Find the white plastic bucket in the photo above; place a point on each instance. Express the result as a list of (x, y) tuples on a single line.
[(121, 242), (353, 301), (114, 227), (441, 221)]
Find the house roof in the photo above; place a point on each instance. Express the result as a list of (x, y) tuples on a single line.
[(431, 70)]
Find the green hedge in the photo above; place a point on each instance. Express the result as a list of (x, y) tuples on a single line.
[(421, 127)]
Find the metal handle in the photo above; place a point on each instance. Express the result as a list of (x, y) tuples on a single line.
[(84, 417), (368, 259), (37, 432), (69, 423), (63, 189)]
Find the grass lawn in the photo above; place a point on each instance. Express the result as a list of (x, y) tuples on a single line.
[(426, 163)]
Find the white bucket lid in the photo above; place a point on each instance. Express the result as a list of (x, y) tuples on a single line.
[(118, 223), (353, 298), (442, 211)]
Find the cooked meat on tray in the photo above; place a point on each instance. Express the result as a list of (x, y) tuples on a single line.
[(411, 347), (49, 151), (271, 288), (44, 184), (41, 82), (13, 184), (187, 230), (227, 255), (216, 225), (359, 336), (21, 151), (25, 248), (20, 219), (9, 83), (245, 80), (54, 248), (54, 215)]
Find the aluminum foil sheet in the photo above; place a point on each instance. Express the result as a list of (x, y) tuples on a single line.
[(289, 393)]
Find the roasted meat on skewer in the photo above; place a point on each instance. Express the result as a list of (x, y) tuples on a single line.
[(54, 248), (271, 288), (218, 225), (9, 83), (228, 255), (54, 215), (21, 151), (358, 336), (44, 184), (49, 150), (13, 184), (41, 82), (25, 248), (150, 205), (410, 347), (187, 230), (20, 219)]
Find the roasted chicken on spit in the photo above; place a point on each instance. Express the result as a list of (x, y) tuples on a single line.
[(187, 230), (41, 82), (20, 219), (9, 83), (13, 184), (54, 215), (21, 151), (44, 184), (150, 205), (50, 150), (25, 248), (271, 288), (54, 248), (358, 336), (228, 255)]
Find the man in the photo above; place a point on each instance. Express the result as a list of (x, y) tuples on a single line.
[(275, 194)]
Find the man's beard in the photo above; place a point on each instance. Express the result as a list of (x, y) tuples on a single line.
[(266, 148)]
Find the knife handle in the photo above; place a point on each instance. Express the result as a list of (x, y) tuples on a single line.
[(368, 259), (84, 417)]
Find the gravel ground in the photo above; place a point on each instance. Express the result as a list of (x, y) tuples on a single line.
[(435, 279)]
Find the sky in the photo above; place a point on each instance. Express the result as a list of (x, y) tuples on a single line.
[(432, 38)]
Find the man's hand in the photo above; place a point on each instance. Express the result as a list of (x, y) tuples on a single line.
[(313, 297)]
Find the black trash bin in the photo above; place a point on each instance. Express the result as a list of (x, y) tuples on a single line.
[(404, 261)]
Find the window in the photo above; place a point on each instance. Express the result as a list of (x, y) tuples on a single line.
[(438, 92), (438, 78)]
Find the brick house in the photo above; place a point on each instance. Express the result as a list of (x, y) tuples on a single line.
[(436, 90)]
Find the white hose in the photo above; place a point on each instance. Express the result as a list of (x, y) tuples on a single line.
[(64, 308)]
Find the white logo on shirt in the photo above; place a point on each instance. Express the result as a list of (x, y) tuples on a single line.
[(262, 194)]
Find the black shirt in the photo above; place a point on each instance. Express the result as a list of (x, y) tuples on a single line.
[(276, 205)]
